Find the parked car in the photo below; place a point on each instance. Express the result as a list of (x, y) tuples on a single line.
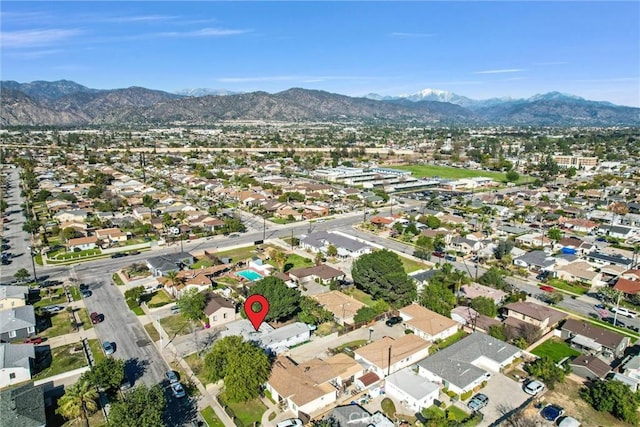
[(96, 318), (478, 402), (86, 293), (175, 309), (551, 412), (172, 376), (450, 258), (291, 422), (617, 322), (126, 384), (52, 308), (438, 254), (625, 312), (134, 253), (547, 288), (533, 387), (109, 347), (393, 320), (84, 287), (542, 276), (178, 390), (33, 340), (118, 255)]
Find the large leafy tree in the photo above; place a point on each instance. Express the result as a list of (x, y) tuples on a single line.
[(79, 401), (438, 297), (382, 276), (494, 278), (613, 397), (242, 365), (192, 304), (141, 407), (107, 373), (503, 248), (284, 302), (547, 370), (485, 306), (312, 312), (424, 247)]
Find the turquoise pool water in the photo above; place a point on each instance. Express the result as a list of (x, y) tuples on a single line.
[(249, 275)]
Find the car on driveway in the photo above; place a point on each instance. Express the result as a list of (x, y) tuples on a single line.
[(478, 402), (33, 340), (393, 321), (172, 377), (52, 308), (108, 347), (551, 412), (291, 422), (178, 390), (533, 387)]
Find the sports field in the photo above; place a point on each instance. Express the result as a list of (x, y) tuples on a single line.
[(421, 171)]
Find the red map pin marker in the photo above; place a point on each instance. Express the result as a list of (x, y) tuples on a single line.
[(256, 317)]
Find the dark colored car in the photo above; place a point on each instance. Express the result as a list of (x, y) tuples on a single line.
[(118, 255), (96, 318), (393, 320), (438, 254), (542, 276), (551, 412), (84, 287), (86, 293), (33, 340), (617, 322)]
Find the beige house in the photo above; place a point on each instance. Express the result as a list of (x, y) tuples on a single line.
[(219, 310), (387, 355), (13, 296), (541, 316), (82, 243), (342, 306), (112, 234), (427, 324), (580, 271), (322, 273)]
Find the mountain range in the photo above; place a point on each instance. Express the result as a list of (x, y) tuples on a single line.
[(66, 103)]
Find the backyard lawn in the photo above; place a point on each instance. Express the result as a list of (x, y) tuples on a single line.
[(555, 349), (60, 325), (238, 254), (248, 412), (293, 261), (175, 325), (360, 295), (158, 299), (211, 418), (64, 359)]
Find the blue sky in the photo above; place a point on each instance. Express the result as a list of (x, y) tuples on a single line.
[(476, 49)]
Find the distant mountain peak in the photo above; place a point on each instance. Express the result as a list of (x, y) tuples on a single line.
[(196, 92), (554, 95)]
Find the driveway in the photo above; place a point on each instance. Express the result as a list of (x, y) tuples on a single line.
[(504, 394)]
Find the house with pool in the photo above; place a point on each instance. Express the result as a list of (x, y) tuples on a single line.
[(255, 270)]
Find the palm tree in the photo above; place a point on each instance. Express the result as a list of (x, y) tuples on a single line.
[(279, 258), (79, 401), (174, 279)]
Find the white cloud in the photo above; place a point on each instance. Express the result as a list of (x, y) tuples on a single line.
[(32, 38), (141, 18), (33, 54), (204, 32), (500, 71)]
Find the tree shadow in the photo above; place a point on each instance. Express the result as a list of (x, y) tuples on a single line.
[(179, 411), (135, 368)]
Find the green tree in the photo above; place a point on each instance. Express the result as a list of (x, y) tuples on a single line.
[(503, 248), (424, 248), (134, 294), (498, 332), (3, 205), (79, 401), (547, 370), (141, 407), (382, 276), (284, 302), (21, 274), (68, 233), (311, 312), (95, 191), (438, 297), (512, 176), (570, 172), (149, 201), (192, 304), (411, 229), (108, 373), (494, 278), (485, 306), (554, 233), (614, 397), (279, 257), (30, 226), (365, 314), (332, 251), (243, 365), (433, 222), (42, 195)]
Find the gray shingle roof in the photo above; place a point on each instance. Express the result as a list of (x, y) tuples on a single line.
[(16, 355), (13, 291), (455, 365), (322, 238), (17, 318), (23, 406), (170, 261)]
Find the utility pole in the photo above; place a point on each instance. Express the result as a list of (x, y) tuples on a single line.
[(264, 228), (292, 239)]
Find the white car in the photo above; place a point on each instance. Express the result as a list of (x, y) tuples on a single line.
[(291, 422), (624, 312), (533, 387)]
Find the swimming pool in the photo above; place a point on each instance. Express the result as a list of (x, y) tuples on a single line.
[(249, 275)]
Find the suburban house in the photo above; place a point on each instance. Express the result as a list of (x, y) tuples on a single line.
[(142, 213), (541, 316), (323, 273), (343, 307), (163, 264), (579, 271), (628, 287), (535, 260), (355, 415), (533, 240), (388, 355), (594, 339), (17, 322), (427, 324), (16, 363), (617, 231), (473, 320), (422, 277), (23, 406), (219, 310), (468, 363), (347, 247), (200, 279), (590, 367), (82, 243), (475, 290), (79, 215), (602, 259), (112, 235), (283, 338), (465, 245), (411, 390), (13, 296), (307, 388)]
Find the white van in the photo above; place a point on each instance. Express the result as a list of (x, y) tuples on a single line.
[(624, 312)]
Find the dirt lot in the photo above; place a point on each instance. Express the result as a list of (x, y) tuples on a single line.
[(567, 396)]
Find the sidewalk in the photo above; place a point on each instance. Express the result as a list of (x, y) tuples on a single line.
[(71, 338)]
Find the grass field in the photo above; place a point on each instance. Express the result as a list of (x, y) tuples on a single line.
[(83, 315), (158, 299), (211, 418), (248, 412), (293, 261), (410, 265), (421, 171), (60, 325), (360, 296), (63, 359), (57, 297), (555, 349), (564, 285)]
